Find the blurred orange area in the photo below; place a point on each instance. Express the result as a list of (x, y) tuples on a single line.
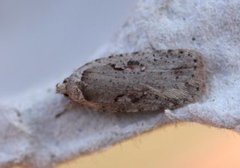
[(176, 146)]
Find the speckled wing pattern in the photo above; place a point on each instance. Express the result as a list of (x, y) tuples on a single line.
[(144, 81)]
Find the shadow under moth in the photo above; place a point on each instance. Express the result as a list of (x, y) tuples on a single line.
[(143, 81)]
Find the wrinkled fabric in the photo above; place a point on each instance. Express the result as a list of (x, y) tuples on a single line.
[(41, 128)]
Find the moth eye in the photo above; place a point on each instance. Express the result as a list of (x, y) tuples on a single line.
[(66, 95), (65, 81)]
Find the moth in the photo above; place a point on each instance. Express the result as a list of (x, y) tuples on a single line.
[(144, 81)]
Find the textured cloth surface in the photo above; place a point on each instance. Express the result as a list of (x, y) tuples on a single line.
[(33, 133)]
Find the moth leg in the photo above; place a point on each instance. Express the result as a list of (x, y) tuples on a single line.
[(67, 107), (89, 104)]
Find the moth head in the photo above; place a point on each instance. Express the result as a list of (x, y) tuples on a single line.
[(71, 89)]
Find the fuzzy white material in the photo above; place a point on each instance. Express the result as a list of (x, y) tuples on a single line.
[(32, 133)]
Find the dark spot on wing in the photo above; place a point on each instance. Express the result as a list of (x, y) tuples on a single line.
[(132, 62), (116, 68), (118, 97)]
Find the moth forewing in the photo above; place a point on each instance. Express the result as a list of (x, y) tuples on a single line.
[(143, 81)]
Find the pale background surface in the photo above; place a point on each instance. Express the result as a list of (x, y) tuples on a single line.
[(42, 40)]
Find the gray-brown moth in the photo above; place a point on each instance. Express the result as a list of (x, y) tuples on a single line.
[(144, 81)]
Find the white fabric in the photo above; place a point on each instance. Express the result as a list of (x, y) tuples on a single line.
[(31, 134)]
